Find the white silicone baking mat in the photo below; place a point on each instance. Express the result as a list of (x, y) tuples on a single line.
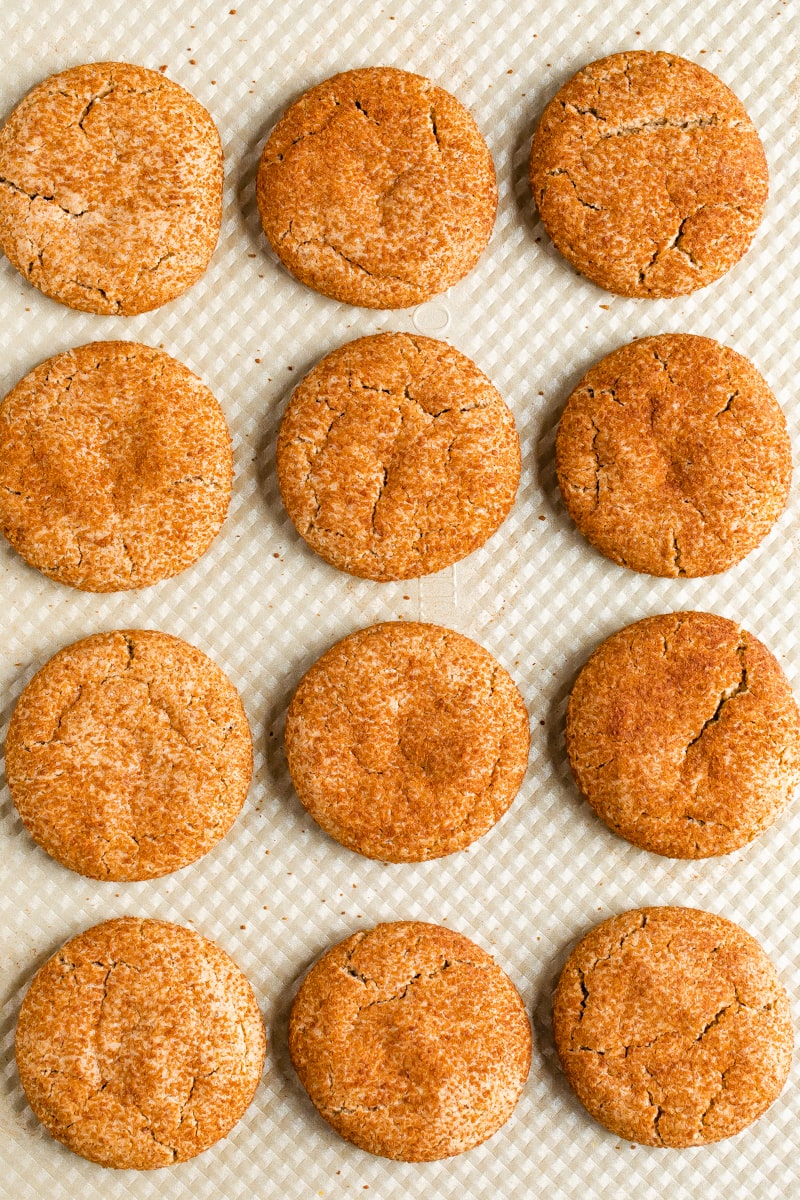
[(276, 892)]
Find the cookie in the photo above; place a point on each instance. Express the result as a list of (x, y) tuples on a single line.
[(648, 174), (673, 456), (672, 1027), (115, 467), (684, 736), (411, 1041), (139, 1044), (407, 741), (377, 188), (110, 188), (397, 457), (129, 755)]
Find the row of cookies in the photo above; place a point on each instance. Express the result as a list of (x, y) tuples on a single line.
[(129, 753), (140, 1043), (376, 187), (396, 457)]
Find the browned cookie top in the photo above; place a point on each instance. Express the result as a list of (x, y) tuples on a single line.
[(673, 456), (411, 1041), (648, 174), (110, 188), (139, 1044), (115, 467), (684, 736), (129, 755), (397, 457), (407, 741), (377, 188), (672, 1027)]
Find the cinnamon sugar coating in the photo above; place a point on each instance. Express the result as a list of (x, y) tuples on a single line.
[(411, 1041), (684, 736), (110, 188), (397, 457), (672, 1027), (377, 188), (115, 467), (648, 174), (673, 456), (407, 741), (129, 755), (139, 1044)]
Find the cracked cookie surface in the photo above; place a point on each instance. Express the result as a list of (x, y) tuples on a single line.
[(377, 188), (648, 174), (411, 1041), (684, 736), (672, 1027), (129, 755), (139, 1044), (115, 467), (110, 188), (673, 456), (397, 457), (407, 741)]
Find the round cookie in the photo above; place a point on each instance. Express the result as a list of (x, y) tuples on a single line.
[(139, 1044), (672, 1027), (411, 1041), (377, 188), (406, 741), (397, 457), (129, 755), (673, 456), (115, 467), (648, 174), (684, 736), (110, 188)]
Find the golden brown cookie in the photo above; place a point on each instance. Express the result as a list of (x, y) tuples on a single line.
[(139, 1044), (684, 736), (115, 467), (397, 457), (411, 1041), (129, 755), (673, 456), (110, 188), (377, 188), (407, 741), (648, 174), (672, 1027)]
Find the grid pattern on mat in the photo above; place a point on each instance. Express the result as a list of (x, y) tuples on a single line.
[(277, 891)]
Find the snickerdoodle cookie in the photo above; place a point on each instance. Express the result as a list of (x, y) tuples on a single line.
[(411, 1041), (648, 174), (139, 1044), (397, 457), (129, 755), (115, 467), (684, 736), (110, 188), (672, 1027), (673, 456), (377, 188), (407, 741)]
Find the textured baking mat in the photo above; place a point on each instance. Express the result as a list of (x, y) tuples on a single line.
[(277, 891)]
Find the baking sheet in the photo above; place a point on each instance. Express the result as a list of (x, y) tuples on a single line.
[(276, 892)]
